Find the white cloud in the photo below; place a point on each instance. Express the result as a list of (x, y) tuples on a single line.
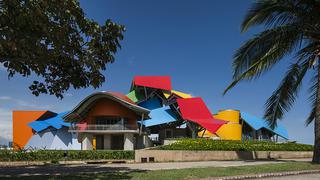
[(68, 94), (2, 68), (5, 98), (24, 103), (5, 126)]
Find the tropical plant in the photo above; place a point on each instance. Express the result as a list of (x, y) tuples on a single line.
[(292, 30), (55, 41)]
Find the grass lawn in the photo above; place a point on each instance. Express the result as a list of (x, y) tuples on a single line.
[(187, 173)]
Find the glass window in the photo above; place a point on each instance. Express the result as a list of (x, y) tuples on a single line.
[(107, 120)]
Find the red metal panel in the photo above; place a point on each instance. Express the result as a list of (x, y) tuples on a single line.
[(158, 82), (195, 110), (122, 96)]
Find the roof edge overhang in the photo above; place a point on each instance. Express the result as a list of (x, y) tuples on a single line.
[(80, 109)]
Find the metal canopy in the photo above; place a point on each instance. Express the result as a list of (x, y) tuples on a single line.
[(157, 82), (56, 122), (161, 116), (258, 123), (195, 110)]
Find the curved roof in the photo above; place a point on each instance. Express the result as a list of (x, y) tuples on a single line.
[(84, 106)]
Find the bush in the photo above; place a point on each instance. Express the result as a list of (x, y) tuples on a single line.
[(220, 145), (57, 155)]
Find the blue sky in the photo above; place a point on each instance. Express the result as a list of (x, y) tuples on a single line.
[(192, 41)]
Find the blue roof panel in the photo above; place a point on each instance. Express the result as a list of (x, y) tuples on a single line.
[(56, 122), (160, 116), (258, 123), (38, 125), (151, 104)]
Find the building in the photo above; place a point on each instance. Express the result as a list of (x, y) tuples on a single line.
[(150, 113)]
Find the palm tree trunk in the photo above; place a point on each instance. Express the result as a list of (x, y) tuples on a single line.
[(316, 151)]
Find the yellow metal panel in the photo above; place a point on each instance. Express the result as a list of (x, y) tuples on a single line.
[(94, 143), (181, 94), (228, 115), (206, 134), (166, 94), (230, 132)]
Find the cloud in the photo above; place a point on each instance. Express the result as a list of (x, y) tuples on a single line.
[(5, 126), (68, 94), (2, 68), (24, 103)]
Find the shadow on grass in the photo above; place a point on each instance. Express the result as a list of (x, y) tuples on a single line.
[(66, 172)]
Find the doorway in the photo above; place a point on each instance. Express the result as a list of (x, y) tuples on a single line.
[(99, 142), (117, 142)]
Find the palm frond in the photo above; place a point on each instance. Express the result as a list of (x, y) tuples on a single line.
[(313, 100), (284, 96), (274, 13), (262, 52)]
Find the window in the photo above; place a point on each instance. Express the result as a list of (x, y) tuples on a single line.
[(110, 120), (107, 120)]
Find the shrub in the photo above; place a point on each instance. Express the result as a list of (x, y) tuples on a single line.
[(57, 155), (220, 145)]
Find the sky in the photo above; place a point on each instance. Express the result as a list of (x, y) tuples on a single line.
[(192, 41)]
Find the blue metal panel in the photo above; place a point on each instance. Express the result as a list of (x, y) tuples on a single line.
[(151, 104), (56, 122), (254, 122), (160, 116), (258, 123), (38, 125)]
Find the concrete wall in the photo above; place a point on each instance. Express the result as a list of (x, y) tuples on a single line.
[(169, 156), (87, 142), (128, 141)]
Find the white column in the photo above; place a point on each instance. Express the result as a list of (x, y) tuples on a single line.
[(107, 141), (87, 142), (128, 141)]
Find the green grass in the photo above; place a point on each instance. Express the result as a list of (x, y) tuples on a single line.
[(189, 173), (201, 144)]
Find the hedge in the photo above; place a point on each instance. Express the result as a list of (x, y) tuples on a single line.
[(57, 155), (220, 145)]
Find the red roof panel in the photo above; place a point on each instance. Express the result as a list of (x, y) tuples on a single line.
[(122, 96), (157, 82), (195, 110)]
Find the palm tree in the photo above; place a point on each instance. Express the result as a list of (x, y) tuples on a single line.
[(292, 30)]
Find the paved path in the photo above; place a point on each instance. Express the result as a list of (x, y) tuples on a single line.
[(63, 169), (295, 177)]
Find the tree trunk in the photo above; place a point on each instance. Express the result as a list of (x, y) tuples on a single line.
[(316, 151)]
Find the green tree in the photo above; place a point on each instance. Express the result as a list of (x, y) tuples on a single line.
[(292, 29), (55, 41)]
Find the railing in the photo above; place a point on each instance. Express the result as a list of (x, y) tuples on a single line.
[(99, 127)]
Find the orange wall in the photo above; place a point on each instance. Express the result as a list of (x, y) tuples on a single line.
[(107, 107), (21, 131)]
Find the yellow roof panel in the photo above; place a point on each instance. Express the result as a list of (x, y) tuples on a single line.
[(181, 94)]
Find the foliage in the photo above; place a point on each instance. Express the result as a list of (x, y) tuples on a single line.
[(219, 145), (55, 41), (292, 30), (56, 155)]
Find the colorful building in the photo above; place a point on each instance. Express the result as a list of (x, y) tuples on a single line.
[(150, 113)]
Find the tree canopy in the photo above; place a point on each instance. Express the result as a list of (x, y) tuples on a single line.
[(55, 41)]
